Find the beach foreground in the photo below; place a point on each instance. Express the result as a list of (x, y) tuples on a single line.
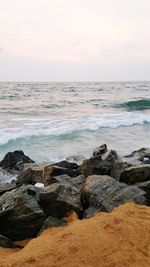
[(120, 238)]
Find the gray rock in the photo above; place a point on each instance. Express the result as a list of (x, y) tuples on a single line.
[(7, 187), (140, 154), (112, 156), (76, 181), (145, 186), (104, 193), (32, 173), (136, 174), (20, 215), (90, 212), (100, 150), (55, 170), (60, 198), (14, 160), (44, 173), (78, 159), (52, 222), (96, 165), (117, 163), (7, 243)]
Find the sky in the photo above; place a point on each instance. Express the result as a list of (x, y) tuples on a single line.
[(74, 40)]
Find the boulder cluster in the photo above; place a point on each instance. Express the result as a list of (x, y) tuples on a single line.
[(43, 195)]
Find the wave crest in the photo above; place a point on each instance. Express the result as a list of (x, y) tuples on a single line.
[(135, 105)]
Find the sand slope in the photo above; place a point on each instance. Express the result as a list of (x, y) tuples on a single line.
[(121, 238)]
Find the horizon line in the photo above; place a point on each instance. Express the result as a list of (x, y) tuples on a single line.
[(71, 81)]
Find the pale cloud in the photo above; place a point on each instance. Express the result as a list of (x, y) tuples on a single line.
[(80, 32)]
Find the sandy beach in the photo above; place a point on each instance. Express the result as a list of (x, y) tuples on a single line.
[(120, 238)]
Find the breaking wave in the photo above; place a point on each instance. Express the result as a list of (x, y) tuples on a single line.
[(135, 105)]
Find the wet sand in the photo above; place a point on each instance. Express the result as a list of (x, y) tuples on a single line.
[(118, 239)]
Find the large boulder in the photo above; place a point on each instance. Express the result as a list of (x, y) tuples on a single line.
[(55, 170), (103, 193), (107, 164), (44, 173), (31, 174), (96, 165), (76, 181), (136, 174), (118, 164), (15, 160), (59, 199), (20, 215)]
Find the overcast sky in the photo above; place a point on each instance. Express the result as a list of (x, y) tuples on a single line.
[(74, 40)]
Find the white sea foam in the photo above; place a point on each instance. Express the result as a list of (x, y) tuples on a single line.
[(43, 127)]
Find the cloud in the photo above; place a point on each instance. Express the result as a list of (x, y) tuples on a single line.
[(1, 49)]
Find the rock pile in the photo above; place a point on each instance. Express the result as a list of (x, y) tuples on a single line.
[(100, 183)]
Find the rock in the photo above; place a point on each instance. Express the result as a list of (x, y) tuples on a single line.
[(20, 215), (43, 173), (66, 164), (14, 160), (52, 222), (90, 212), (76, 181), (100, 150), (103, 193), (55, 170), (60, 198), (112, 156), (78, 159), (7, 187), (117, 163), (109, 164), (32, 173), (145, 186), (136, 174), (140, 154), (7, 243), (96, 165)]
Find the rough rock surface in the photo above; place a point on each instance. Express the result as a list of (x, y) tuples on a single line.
[(43, 173), (142, 152), (56, 170), (20, 215), (136, 174), (96, 165), (145, 186), (15, 160), (7, 187), (100, 150), (60, 198), (7, 243), (76, 181), (117, 163), (105, 193)]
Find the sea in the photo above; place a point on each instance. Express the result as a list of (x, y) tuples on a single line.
[(54, 121)]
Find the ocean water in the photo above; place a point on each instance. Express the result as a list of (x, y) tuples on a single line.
[(52, 121)]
